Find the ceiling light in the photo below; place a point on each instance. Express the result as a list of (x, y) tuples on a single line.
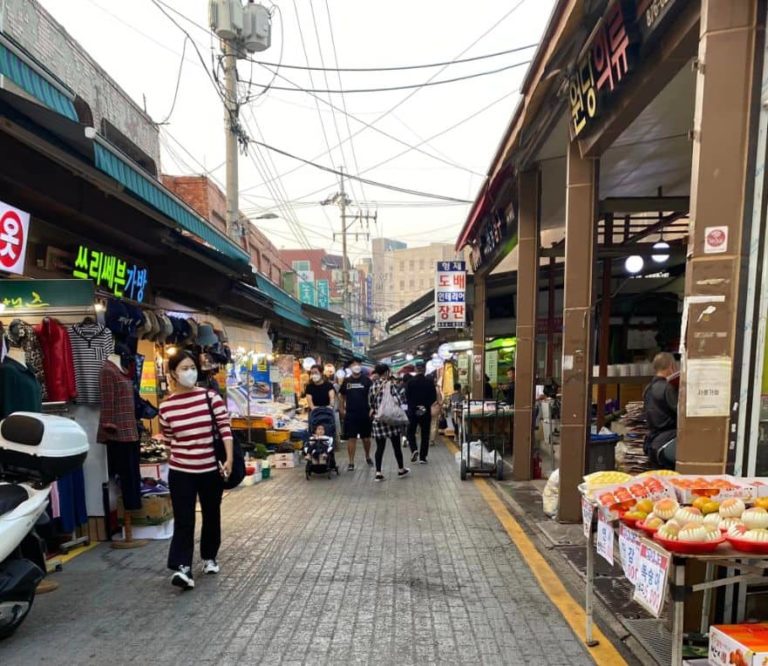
[(660, 245), (634, 264)]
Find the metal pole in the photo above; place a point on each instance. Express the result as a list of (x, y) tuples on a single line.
[(345, 272), (590, 590), (230, 125)]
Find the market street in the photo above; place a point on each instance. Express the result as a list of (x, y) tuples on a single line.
[(414, 570)]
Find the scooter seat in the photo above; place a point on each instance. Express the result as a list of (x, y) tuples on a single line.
[(11, 496)]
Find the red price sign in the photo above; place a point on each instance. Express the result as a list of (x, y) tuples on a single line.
[(14, 227)]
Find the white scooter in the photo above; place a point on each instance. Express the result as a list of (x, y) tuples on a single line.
[(35, 450)]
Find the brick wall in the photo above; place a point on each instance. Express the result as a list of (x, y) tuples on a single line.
[(207, 199), (47, 41)]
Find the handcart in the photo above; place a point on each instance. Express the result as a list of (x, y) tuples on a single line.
[(483, 422)]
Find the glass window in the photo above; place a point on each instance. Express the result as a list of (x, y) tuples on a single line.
[(300, 265), (402, 265), (402, 284), (421, 264), (411, 264), (412, 283)]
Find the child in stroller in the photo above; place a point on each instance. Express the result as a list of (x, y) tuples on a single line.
[(319, 451)]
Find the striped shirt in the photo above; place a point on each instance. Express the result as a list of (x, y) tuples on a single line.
[(186, 422), (91, 345)]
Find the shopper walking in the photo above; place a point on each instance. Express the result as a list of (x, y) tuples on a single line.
[(355, 413), (384, 431), (319, 391), (420, 395), (187, 421)]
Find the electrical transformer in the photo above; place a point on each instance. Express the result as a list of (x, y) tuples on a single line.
[(257, 28), (226, 18)]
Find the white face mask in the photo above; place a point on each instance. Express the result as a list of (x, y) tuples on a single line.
[(356, 369), (316, 378), (187, 378)]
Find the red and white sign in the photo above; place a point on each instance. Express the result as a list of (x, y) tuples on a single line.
[(14, 229), (715, 240)]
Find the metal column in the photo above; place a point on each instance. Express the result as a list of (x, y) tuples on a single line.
[(580, 222), (478, 337), (527, 300)]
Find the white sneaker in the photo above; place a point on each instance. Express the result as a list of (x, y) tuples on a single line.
[(211, 567), (183, 578)]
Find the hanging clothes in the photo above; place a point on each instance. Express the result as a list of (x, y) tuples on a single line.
[(57, 360), (20, 390), (28, 341), (72, 509), (91, 344)]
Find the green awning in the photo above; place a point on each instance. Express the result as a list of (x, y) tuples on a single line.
[(284, 304), (149, 190), (35, 84)]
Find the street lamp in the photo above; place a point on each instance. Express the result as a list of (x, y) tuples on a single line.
[(634, 264)]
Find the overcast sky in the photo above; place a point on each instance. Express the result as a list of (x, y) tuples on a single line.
[(141, 49)]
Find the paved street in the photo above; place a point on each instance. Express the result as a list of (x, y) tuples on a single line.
[(414, 570)]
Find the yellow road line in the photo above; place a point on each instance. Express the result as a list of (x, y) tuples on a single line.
[(71, 555), (571, 610)]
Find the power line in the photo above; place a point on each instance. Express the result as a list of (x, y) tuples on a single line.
[(412, 86), (178, 82), (394, 188), (401, 67)]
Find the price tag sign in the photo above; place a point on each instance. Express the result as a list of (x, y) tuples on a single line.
[(652, 575), (587, 510), (629, 551), (605, 537)]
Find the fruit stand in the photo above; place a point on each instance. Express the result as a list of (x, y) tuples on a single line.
[(656, 522)]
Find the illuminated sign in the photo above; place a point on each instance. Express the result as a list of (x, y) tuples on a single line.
[(119, 277), (30, 296), (450, 294)]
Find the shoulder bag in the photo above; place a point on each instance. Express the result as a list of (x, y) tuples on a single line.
[(238, 459)]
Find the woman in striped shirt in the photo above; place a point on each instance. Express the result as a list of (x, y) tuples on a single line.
[(186, 418)]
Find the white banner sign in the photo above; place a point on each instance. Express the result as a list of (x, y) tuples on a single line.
[(450, 294), (605, 536), (14, 230)]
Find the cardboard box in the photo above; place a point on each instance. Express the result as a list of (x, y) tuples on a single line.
[(285, 464), (154, 532), (282, 460), (155, 510), (739, 644), (708, 488)]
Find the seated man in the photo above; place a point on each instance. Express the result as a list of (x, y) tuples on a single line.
[(660, 401)]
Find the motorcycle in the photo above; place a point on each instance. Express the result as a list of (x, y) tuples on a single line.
[(35, 450)]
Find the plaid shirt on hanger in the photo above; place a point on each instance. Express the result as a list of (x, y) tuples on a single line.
[(383, 430)]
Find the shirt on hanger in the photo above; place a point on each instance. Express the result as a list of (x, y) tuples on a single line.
[(57, 360), (91, 345)]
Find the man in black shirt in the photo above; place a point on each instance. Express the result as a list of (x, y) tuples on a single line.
[(660, 402), (420, 394), (509, 389), (319, 392), (356, 413)]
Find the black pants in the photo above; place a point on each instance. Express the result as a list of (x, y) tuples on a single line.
[(414, 423), (185, 489), (381, 444), (123, 461)]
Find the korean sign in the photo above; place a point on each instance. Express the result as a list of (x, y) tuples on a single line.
[(323, 294), (34, 295), (307, 293), (450, 294), (119, 277), (600, 69), (14, 230), (652, 574)]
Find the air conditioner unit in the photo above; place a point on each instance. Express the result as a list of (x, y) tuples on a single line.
[(226, 18), (257, 29)]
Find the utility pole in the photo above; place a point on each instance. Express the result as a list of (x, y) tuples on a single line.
[(230, 130), (242, 30), (345, 273)]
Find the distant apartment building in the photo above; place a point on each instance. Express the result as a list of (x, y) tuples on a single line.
[(402, 274), (207, 199)]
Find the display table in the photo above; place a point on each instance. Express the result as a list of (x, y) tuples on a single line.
[(741, 568)]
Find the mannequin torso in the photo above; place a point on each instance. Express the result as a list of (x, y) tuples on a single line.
[(18, 355)]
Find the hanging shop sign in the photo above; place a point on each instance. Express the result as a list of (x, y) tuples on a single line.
[(307, 293), (613, 51), (14, 231), (450, 294), (35, 295), (494, 231), (119, 277), (323, 294)]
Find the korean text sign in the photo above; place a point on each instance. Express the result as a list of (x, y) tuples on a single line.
[(121, 278), (451, 294), (14, 230), (652, 575)]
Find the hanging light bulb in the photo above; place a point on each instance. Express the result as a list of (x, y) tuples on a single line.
[(634, 264), (660, 245)]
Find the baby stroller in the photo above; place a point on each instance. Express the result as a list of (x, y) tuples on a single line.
[(320, 451)]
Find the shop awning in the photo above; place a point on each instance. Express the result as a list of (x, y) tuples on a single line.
[(249, 338), (284, 305), (112, 162), (32, 80), (329, 323), (407, 341), (420, 306)]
